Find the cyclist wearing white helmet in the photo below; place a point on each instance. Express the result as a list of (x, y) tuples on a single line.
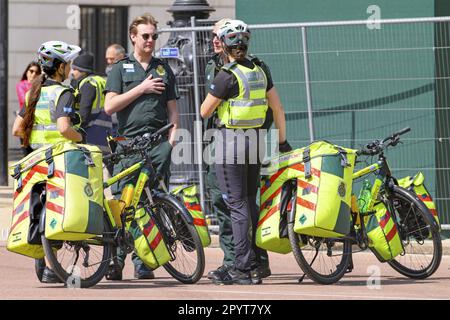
[(43, 126), (219, 207), (51, 121), (241, 92)]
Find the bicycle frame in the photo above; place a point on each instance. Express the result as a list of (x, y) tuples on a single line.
[(384, 173)]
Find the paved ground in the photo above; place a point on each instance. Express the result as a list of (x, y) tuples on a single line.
[(18, 281)]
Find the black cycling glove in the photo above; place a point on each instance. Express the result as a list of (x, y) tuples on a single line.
[(284, 147)]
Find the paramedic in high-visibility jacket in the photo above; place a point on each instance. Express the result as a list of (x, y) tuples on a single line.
[(91, 101), (222, 212), (241, 92), (48, 115)]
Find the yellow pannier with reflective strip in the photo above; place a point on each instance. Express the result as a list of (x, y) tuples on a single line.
[(190, 197), (384, 239), (416, 184), (149, 243), (72, 179), (322, 175)]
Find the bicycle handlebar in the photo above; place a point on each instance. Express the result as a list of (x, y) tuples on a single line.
[(377, 146), (139, 143)]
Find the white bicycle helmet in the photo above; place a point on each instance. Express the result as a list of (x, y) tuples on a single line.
[(234, 32), (51, 50)]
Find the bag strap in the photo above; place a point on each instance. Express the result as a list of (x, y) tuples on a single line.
[(343, 154), (307, 161), (18, 176), (50, 162), (87, 157)]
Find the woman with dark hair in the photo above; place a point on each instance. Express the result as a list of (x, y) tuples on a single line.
[(48, 111), (31, 72)]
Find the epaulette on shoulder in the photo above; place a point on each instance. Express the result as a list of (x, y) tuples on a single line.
[(254, 59), (229, 65), (124, 58)]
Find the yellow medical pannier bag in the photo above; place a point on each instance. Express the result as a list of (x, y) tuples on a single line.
[(72, 177), (322, 175), (416, 184), (190, 197), (149, 243), (384, 239)]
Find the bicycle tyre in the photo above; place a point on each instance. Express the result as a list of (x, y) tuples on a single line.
[(185, 241), (406, 196), (61, 271)]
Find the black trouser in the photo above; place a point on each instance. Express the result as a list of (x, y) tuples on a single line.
[(238, 178)]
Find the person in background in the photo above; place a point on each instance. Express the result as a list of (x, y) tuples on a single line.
[(115, 52), (89, 92), (31, 72)]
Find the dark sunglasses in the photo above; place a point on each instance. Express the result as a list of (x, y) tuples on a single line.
[(146, 36)]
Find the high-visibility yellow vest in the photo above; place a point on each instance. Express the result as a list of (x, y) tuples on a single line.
[(99, 122), (44, 131), (248, 109)]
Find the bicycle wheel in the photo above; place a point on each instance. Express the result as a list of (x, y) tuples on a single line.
[(182, 239), (323, 260), (80, 264), (419, 233)]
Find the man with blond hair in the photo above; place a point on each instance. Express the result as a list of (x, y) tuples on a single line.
[(213, 67), (141, 90)]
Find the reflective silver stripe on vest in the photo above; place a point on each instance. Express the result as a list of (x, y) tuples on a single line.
[(101, 123), (45, 127), (248, 103), (245, 84), (35, 146), (247, 123)]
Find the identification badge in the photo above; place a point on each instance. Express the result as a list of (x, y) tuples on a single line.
[(129, 67)]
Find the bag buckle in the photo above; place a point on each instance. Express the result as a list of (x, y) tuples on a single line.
[(50, 162), (87, 157), (307, 161), (17, 175), (343, 154)]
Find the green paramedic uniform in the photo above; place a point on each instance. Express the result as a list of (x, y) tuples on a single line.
[(146, 114)]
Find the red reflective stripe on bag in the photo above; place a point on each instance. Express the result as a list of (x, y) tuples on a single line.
[(266, 203), (425, 197), (154, 244), (195, 207), (52, 188), (33, 171), (148, 228), (27, 197), (391, 234), (385, 219), (306, 204), (268, 215), (433, 212), (54, 207), (20, 219), (305, 185), (199, 222)]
